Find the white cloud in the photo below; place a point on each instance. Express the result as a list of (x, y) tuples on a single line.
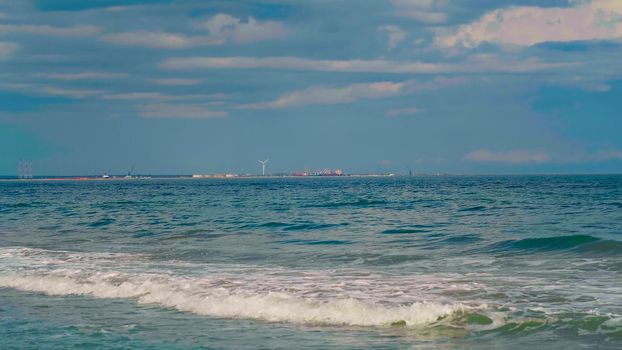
[(130, 96), (396, 35), (527, 25), (81, 76), (7, 49), (225, 27), (325, 95), (37, 90), (402, 111), (75, 31), (436, 83), (591, 82), (176, 82), (158, 40), (73, 93), (498, 63), (322, 95), (355, 92), (296, 63), (137, 96), (477, 64), (609, 154), (513, 156), (180, 111), (524, 156), (426, 11), (117, 8)]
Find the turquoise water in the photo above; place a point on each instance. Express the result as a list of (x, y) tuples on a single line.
[(345, 263)]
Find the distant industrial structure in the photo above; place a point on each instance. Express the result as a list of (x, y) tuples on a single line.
[(214, 176), (304, 173), (323, 172), (24, 169)]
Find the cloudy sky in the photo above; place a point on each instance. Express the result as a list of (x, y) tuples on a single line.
[(183, 86)]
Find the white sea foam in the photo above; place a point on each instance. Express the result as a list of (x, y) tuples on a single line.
[(192, 295), (275, 295)]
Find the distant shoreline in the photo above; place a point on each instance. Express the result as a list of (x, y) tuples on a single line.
[(189, 177), (257, 177)]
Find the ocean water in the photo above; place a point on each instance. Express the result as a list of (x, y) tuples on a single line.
[(344, 263)]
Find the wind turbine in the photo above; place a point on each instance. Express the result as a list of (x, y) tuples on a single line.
[(263, 166)]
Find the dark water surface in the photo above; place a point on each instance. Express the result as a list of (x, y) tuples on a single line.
[(422, 262)]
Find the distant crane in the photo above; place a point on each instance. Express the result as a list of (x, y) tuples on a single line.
[(263, 166), (129, 174)]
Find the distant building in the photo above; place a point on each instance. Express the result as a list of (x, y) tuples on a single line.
[(324, 172)]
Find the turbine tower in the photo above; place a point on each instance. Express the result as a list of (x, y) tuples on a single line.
[(263, 166)]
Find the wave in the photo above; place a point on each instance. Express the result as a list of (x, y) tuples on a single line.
[(294, 226), (356, 204), (462, 239), (272, 224), (242, 292), (101, 222), (400, 231), (315, 242), (475, 208), (581, 243), (311, 226), (317, 298), (602, 248), (20, 206), (189, 295)]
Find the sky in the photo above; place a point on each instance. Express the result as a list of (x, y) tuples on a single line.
[(189, 86)]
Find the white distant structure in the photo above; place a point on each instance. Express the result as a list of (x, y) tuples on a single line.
[(263, 166), (24, 169)]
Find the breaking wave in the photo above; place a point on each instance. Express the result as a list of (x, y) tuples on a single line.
[(306, 299), (189, 296)]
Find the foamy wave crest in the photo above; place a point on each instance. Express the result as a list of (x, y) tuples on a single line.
[(193, 295), (356, 298)]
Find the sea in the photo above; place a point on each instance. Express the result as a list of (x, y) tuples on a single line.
[(438, 262)]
